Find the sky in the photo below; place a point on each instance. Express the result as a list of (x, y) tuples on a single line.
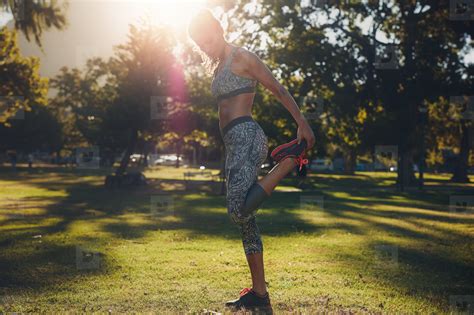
[(96, 26)]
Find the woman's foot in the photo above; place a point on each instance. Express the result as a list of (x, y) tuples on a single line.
[(251, 300), (291, 148), (299, 160)]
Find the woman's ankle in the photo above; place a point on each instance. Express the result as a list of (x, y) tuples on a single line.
[(288, 159), (259, 293)]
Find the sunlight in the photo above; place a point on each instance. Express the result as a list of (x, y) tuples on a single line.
[(173, 13)]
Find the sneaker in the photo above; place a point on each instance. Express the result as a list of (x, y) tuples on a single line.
[(249, 300), (299, 160), (291, 149)]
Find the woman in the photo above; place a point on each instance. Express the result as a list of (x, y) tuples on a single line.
[(236, 73)]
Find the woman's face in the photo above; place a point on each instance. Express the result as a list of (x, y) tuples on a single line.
[(210, 44)]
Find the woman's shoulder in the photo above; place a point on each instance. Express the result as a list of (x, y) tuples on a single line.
[(243, 54)]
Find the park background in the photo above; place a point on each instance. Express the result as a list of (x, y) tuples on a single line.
[(112, 194)]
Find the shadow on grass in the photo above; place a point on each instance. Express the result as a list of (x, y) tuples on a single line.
[(374, 181), (207, 215), (47, 264), (88, 200)]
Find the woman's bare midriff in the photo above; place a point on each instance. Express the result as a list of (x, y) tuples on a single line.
[(233, 107)]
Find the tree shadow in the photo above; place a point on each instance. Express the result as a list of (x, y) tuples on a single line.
[(205, 214), (198, 214), (48, 264)]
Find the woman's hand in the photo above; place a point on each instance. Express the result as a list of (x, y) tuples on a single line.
[(305, 132)]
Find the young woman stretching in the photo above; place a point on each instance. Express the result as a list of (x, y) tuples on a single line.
[(236, 73)]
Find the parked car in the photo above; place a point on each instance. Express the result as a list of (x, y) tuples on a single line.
[(134, 158), (321, 165), (167, 159)]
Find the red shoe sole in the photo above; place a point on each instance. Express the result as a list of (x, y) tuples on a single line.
[(281, 147), (278, 149)]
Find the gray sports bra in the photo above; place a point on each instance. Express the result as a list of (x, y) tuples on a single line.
[(227, 84)]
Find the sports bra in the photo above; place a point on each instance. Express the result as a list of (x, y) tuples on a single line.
[(227, 84)]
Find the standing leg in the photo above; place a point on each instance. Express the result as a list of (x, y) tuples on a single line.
[(257, 271), (243, 161), (245, 192), (255, 260)]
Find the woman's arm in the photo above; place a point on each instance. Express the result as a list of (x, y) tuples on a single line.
[(259, 71)]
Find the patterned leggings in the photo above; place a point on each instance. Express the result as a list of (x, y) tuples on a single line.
[(246, 148)]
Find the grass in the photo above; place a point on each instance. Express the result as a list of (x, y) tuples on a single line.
[(359, 247)]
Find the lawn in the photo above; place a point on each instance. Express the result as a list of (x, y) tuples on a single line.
[(348, 244)]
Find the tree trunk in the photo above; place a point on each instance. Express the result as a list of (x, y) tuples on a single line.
[(145, 158), (460, 169), (199, 155), (350, 161), (409, 107), (178, 152), (129, 151), (406, 174)]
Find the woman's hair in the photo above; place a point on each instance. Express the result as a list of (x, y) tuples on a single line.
[(205, 23)]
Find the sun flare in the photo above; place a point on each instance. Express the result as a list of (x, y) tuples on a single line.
[(173, 13)]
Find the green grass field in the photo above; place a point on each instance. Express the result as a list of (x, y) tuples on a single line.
[(346, 244)]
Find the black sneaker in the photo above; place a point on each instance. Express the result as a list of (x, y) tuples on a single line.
[(249, 300), (291, 148)]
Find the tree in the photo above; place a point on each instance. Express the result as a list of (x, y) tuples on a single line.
[(32, 17), (330, 72), (450, 129), (407, 54), (37, 130), (22, 97), (148, 64), (25, 122), (121, 103), (81, 103)]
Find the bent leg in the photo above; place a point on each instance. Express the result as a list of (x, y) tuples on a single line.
[(261, 190), (254, 198), (276, 174)]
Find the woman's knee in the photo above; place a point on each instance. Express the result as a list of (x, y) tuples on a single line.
[(237, 217), (254, 199), (235, 204), (243, 204)]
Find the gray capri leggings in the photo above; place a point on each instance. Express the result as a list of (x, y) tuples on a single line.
[(246, 148)]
